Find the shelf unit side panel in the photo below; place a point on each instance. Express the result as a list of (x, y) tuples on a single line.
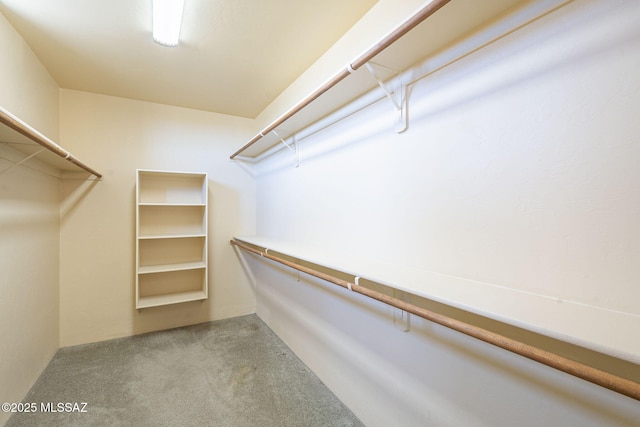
[(204, 222), (137, 279)]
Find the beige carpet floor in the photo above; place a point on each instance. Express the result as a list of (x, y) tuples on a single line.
[(234, 372)]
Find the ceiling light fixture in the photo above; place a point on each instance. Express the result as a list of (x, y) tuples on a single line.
[(167, 18)]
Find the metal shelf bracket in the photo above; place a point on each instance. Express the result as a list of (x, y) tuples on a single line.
[(21, 161), (396, 91), (293, 147), (401, 318)]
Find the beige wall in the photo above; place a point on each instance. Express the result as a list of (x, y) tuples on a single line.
[(26, 89), (29, 242), (97, 263)]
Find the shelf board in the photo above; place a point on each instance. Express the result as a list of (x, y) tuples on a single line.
[(165, 268), (159, 300), (171, 236), (171, 189), (154, 174), (169, 205), (613, 332)]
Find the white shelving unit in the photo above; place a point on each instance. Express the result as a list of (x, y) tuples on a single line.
[(171, 237)]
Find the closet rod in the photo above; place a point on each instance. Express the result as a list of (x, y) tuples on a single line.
[(400, 31), (588, 373), (19, 126)]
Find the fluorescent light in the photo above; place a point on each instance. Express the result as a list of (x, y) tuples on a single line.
[(167, 17)]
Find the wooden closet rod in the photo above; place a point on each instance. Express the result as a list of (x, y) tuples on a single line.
[(403, 29), (596, 376), (19, 126)]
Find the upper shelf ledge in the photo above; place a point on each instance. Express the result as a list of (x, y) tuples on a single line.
[(428, 10), (423, 35), (20, 133)]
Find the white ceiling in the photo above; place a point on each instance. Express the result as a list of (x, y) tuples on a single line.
[(235, 56)]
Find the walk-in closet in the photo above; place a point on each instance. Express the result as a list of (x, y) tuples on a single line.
[(320, 213)]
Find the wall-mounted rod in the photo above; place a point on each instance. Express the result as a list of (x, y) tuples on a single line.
[(21, 127), (428, 10), (588, 373)]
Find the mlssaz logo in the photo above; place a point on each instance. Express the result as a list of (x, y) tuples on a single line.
[(63, 407)]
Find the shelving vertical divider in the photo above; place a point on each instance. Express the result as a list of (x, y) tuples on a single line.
[(171, 237)]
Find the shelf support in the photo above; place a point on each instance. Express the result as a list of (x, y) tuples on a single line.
[(293, 149), (22, 161), (13, 122), (397, 95), (421, 15), (400, 316)]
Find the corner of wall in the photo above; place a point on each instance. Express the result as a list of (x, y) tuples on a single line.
[(29, 218)]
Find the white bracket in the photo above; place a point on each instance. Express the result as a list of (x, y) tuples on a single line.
[(397, 95), (401, 317), (294, 149), (22, 161)]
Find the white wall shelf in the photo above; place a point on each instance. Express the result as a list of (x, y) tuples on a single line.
[(546, 315), (171, 238), (171, 204), (24, 138), (438, 25), (171, 267), (167, 236)]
